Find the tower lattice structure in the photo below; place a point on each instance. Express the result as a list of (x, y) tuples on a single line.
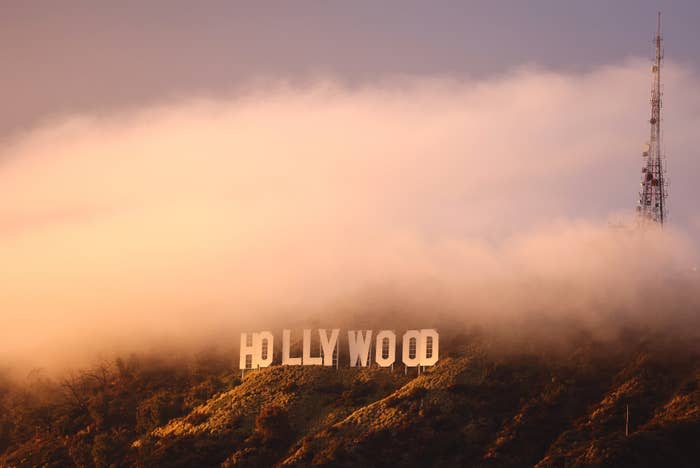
[(652, 196)]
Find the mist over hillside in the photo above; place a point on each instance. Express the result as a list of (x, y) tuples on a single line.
[(397, 233), (137, 246), (484, 201)]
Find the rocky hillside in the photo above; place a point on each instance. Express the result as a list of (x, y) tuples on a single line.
[(476, 407)]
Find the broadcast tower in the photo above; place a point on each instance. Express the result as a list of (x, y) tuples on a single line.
[(652, 197)]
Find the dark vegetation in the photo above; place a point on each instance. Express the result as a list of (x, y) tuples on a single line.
[(479, 406), (91, 418)]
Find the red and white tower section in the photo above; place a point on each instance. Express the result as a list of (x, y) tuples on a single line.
[(653, 193)]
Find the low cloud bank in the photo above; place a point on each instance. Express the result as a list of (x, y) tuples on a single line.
[(483, 202)]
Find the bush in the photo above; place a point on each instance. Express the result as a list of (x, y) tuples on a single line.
[(157, 410), (108, 447), (272, 425)]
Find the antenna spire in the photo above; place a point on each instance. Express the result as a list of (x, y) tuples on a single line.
[(652, 196)]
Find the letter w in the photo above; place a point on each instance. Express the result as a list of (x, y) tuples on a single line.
[(359, 347)]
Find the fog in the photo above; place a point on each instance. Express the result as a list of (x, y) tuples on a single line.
[(493, 202)]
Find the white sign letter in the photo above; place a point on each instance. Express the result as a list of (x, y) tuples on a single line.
[(265, 344), (286, 349), (385, 351), (429, 347), (251, 350), (359, 347), (328, 345), (409, 354), (308, 360)]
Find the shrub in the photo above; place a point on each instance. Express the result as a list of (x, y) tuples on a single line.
[(157, 410), (272, 424)]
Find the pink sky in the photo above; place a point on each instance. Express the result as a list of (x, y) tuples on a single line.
[(173, 219)]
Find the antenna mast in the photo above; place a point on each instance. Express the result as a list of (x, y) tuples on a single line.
[(652, 197)]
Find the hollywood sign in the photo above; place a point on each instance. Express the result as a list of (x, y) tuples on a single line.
[(419, 348)]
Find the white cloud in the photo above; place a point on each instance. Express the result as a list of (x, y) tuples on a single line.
[(196, 213)]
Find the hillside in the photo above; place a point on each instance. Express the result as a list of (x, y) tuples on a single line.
[(478, 406)]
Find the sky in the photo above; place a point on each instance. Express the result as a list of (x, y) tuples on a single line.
[(78, 56), (169, 169)]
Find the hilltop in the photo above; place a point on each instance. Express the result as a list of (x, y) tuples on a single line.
[(479, 406)]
